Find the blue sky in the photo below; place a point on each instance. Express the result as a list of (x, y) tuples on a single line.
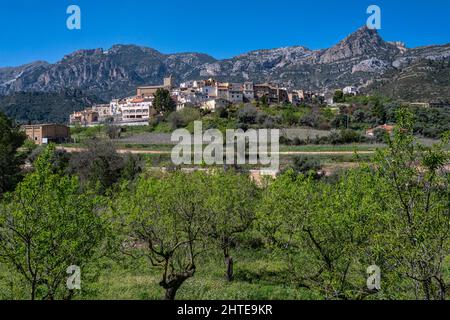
[(36, 29)]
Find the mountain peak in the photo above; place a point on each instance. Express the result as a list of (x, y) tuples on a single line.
[(363, 42), (361, 57), (364, 33)]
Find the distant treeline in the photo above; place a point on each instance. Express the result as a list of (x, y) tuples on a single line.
[(43, 107)]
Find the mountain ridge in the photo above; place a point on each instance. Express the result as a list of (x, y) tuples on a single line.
[(360, 59)]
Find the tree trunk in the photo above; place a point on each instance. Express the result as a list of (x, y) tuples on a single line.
[(174, 281), (170, 293), (229, 264), (228, 259), (426, 289), (33, 290)]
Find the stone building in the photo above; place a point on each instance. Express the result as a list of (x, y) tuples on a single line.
[(85, 118), (273, 94), (149, 91), (46, 133)]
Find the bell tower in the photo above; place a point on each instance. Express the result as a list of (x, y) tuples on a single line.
[(168, 82)]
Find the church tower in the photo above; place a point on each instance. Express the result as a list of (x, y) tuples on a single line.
[(168, 82)]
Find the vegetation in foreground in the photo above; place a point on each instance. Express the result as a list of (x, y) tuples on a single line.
[(148, 235)]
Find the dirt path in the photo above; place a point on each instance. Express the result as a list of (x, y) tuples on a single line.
[(163, 152)]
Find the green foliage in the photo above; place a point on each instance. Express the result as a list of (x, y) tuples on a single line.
[(291, 237), (112, 131), (431, 122), (289, 117), (306, 166), (163, 102), (47, 225), (396, 218), (45, 107), (183, 117), (414, 191), (10, 141), (231, 205), (100, 166), (59, 159), (167, 218), (338, 96), (247, 114), (318, 229)]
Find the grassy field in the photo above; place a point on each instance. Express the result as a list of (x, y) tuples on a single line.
[(326, 147), (257, 276)]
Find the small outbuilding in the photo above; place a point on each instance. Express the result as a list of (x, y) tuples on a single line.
[(46, 133)]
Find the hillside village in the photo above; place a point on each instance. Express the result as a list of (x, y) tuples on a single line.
[(207, 94), (237, 184)]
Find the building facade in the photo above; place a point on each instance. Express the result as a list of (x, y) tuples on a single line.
[(149, 91), (85, 117), (135, 109), (46, 133), (272, 93)]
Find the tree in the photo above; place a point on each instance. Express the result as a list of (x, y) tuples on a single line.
[(166, 217), (163, 102), (340, 121), (10, 141), (47, 225), (307, 166), (247, 114), (133, 165), (264, 100), (322, 231), (183, 117), (378, 110), (231, 204), (415, 195), (310, 120), (59, 159), (359, 115), (338, 96), (113, 131), (99, 165)]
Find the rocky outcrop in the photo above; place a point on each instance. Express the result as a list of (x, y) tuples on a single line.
[(361, 58)]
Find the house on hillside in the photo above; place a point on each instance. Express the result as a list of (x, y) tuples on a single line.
[(388, 128), (85, 117), (213, 104), (274, 94), (350, 90)]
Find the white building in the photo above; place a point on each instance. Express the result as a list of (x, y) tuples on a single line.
[(350, 90), (190, 98), (248, 91), (209, 91), (103, 110), (213, 104), (187, 84), (135, 109), (198, 84), (235, 93), (114, 106)]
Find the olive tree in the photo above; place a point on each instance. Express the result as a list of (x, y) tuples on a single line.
[(47, 225), (165, 219)]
